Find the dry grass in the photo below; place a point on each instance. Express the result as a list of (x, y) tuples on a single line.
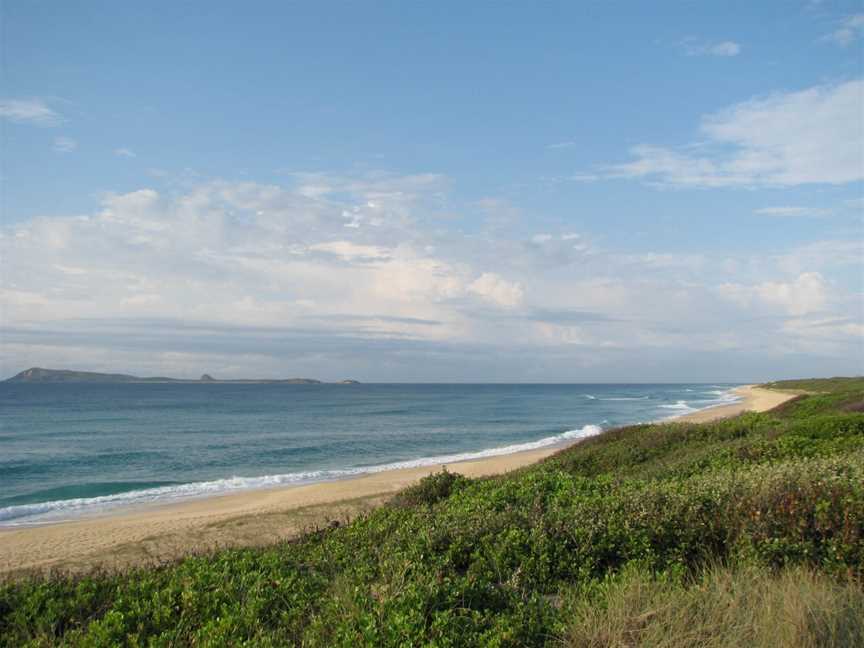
[(795, 608)]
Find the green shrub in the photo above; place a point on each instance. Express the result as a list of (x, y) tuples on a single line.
[(430, 489), (522, 559)]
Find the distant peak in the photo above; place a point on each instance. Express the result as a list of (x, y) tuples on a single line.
[(207, 378)]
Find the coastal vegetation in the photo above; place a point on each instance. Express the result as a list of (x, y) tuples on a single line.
[(746, 531)]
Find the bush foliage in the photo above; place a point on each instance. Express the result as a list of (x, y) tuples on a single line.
[(514, 560)]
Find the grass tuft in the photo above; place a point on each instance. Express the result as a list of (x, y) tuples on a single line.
[(743, 606)]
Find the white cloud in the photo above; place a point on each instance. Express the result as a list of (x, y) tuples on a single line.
[(64, 145), (28, 111), (417, 282), (694, 47), (240, 253), (497, 290), (352, 251), (377, 197), (124, 152), (792, 211), (550, 250), (654, 260), (806, 294), (271, 274), (821, 328), (786, 139), (726, 48), (848, 32), (584, 177), (821, 255)]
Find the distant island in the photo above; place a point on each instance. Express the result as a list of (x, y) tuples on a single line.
[(39, 375)]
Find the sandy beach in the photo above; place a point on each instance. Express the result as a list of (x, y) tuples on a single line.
[(157, 534), (753, 399)]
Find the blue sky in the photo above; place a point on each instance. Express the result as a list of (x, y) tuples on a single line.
[(569, 191)]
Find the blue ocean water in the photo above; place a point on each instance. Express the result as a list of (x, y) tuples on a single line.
[(73, 449)]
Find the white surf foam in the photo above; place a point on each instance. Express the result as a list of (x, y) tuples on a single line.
[(622, 398), (724, 396), (42, 512), (679, 405), (721, 397)]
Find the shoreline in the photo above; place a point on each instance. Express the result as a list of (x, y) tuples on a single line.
[(752, 399), (125, 538)]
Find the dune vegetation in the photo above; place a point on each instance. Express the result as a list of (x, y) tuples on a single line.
[(747, 531)]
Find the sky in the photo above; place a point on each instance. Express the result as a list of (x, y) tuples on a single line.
[(433, 192)]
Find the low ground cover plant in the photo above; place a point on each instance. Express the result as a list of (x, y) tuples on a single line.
[(646, 535)]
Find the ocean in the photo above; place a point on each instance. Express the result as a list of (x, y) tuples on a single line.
[(68, 450)]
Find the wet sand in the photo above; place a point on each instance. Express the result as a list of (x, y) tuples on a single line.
[(160, 533)]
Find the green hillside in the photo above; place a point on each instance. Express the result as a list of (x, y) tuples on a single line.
[(748, 531)]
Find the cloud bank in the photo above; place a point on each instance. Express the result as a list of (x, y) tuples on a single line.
[(336, 275)]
